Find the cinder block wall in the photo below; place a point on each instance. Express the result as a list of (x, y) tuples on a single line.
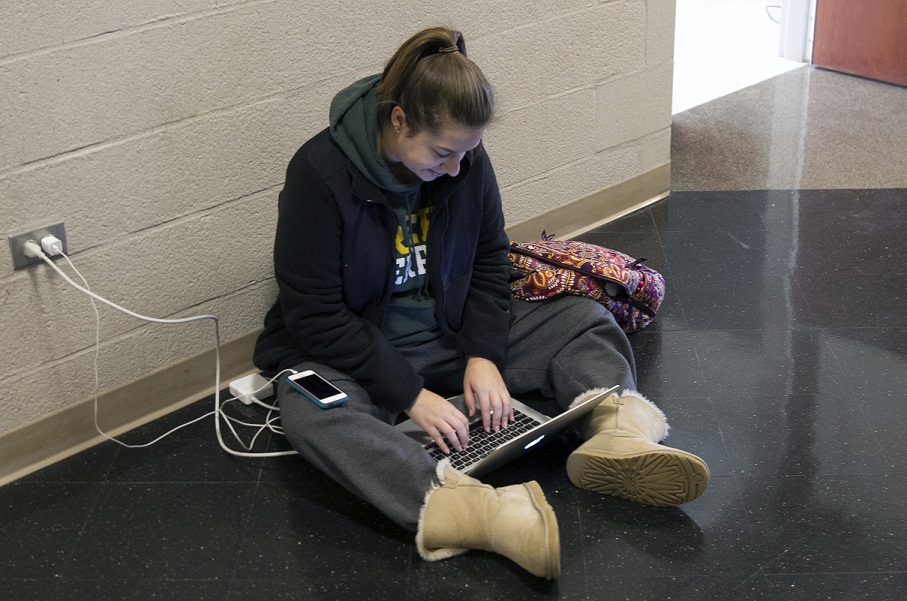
[(159, 131)]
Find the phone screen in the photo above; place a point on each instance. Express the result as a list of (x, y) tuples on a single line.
[(317, 386), (317, 389)]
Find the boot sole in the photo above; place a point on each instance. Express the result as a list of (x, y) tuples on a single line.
[(537, 496), (661, 478)]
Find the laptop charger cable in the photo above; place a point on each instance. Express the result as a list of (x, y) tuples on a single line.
[(248, 390)]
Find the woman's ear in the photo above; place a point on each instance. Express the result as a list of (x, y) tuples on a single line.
[(398, 119)]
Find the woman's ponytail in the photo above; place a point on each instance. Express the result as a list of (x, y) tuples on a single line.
[(434, 82)]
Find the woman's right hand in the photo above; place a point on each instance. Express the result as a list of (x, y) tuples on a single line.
[(441, 420)]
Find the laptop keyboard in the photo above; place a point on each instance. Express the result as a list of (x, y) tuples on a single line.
[(481, 443)]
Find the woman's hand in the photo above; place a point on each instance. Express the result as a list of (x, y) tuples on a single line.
[(483, 385), (440, 419)]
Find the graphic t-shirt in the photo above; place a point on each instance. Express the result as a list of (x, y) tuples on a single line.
[(410, 315)]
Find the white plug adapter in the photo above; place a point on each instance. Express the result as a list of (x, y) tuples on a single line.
[(51, 245), (31, 250), (251, 388)]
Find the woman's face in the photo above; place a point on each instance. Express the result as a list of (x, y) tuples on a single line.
[(426, 155)]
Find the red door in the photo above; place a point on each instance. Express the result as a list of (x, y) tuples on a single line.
[(862, 37)]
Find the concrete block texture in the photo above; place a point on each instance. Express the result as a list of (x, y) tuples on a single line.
[(660, 31), (46, 25), (631, 104), (159, 132)]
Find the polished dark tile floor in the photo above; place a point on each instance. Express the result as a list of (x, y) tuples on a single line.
[(779, 357)]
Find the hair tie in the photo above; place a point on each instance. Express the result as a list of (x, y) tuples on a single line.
[(449, 49)]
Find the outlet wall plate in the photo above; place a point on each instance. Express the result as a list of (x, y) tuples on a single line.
[(17, 243)]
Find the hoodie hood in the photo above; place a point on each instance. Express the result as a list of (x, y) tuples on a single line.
[(354, 126)]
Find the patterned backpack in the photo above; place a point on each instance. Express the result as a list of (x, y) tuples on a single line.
[(632, 291)]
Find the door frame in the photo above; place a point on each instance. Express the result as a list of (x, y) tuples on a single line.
[(798, 23)]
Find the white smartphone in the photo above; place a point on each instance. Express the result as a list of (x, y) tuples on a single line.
[(317, 389)]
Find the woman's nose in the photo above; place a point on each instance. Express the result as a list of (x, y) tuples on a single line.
[(452, 164)]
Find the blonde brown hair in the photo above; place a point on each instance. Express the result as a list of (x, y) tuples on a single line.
[(435, 84)]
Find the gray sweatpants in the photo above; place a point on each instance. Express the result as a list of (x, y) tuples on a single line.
[(560, 347)]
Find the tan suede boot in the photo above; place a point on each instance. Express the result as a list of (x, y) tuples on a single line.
[(621, 456), (514, 521)]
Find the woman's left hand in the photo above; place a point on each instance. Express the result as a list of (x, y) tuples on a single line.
[(484, 386)]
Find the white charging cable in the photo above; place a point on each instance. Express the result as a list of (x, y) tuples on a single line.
[(51, 245)]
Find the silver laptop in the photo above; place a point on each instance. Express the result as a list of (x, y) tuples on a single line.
[(489, 450)]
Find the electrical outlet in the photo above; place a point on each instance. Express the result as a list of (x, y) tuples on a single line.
[(17, 243)]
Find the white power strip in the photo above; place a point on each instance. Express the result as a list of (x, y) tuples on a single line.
[(251, 388)]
